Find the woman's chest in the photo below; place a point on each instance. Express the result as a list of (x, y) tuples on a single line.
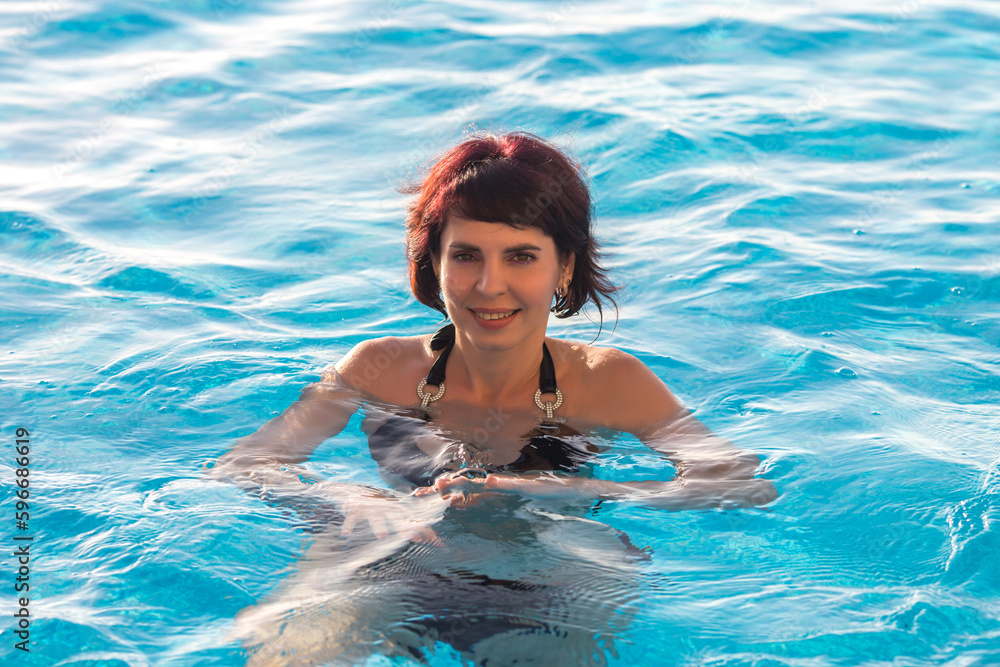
[(472, 436)]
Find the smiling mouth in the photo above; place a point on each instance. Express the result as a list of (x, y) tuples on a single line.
[(494, 316)]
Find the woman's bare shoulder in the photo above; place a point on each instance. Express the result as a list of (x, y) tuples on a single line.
[(595, 361), (379, 363), (625, 394)]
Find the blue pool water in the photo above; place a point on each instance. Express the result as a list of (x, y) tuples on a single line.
[(198, 211)]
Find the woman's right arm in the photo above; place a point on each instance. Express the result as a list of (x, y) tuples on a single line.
[(268, 461), (321, 412)]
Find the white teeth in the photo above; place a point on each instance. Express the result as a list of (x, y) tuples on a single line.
[(494, 316)]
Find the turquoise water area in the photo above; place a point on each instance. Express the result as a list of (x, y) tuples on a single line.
[(199, 211)]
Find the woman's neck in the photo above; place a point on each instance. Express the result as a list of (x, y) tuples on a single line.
[(495, 377)]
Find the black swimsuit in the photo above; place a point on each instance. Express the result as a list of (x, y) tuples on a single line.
[(550, 447), (394, 447), (452, 600)]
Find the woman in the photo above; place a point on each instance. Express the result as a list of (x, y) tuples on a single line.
[(487, 415)]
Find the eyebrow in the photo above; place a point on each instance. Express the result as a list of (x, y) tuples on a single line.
[(460, 245)]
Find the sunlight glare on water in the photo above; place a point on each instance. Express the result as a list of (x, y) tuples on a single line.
[(199, 210)]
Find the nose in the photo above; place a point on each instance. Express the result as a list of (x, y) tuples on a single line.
[(492, 280)]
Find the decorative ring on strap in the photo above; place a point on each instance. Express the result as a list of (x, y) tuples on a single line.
[(548, 406), (428, 397)]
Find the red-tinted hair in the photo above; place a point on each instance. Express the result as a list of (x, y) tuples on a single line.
[(517, 179)]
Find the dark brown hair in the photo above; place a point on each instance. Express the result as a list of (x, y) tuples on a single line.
[(517, 179)]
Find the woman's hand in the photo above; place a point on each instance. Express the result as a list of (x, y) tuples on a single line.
[(387, 515), (468, 487), (461, 489)]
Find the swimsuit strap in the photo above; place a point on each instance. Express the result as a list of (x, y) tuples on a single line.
[(547, 385), (444, 340), (443, 337), (547, 373)]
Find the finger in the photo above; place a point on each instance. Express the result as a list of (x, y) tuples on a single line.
[(379, 526), (426, 535), (463, 477), (466, 500), (446, 482), (349, 521)]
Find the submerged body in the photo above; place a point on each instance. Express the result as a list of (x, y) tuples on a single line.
[(499, 578), (507, 581), (484, 433), (506, 566)]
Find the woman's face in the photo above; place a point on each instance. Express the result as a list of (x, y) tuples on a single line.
[(498, 281)]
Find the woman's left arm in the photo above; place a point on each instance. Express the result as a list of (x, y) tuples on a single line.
[(675, 494), (640, 403)]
